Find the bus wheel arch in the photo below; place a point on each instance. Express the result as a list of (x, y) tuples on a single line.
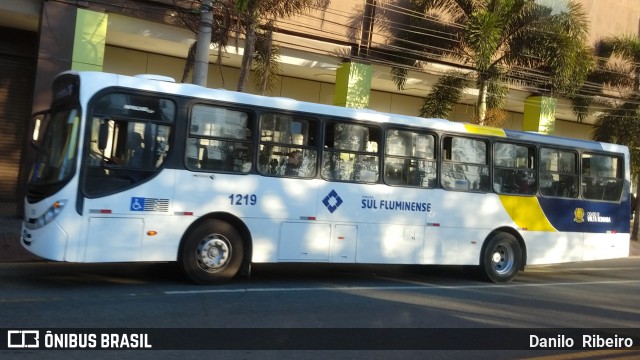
[(215, 248), (503, 255)]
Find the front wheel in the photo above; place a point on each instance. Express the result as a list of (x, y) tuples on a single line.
[(212, 252), (502, 258)]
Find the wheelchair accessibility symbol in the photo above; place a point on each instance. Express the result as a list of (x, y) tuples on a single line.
[(137, 204)]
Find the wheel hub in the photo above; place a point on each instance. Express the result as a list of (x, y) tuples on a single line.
[(503, 259), (213, 252)]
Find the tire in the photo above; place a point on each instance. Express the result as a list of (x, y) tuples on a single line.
[(502, 258), (212, 253)]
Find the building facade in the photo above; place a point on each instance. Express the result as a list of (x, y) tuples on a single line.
[(39, 39)]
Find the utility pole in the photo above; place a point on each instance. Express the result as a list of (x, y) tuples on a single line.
[(201, 63)]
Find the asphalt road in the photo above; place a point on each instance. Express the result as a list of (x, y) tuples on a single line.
[(600, 294)]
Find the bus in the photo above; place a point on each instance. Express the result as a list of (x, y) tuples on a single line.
[(144, 169)]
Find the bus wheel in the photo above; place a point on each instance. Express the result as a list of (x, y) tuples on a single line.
[(212, 253), (502, 258)]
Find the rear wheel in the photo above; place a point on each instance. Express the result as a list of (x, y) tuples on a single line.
[(502, 258), (212, 252)]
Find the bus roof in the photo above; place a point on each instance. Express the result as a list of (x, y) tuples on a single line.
[(94, 81)]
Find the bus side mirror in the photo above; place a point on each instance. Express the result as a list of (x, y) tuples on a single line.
[(103, 134)]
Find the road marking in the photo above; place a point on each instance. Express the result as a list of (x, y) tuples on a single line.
[(554, 268), (391, 287)]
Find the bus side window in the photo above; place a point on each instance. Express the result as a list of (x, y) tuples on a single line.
[(219, 140), (129, 152), (464, 164), (287, 146), (351, 152), (409, 158), (558, 173), (514, 169), (602, 177)]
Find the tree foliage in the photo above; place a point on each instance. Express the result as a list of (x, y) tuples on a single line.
[(255, 13), (266, 64), (441, 100), (253, 19), (502, 41), (621, 123)]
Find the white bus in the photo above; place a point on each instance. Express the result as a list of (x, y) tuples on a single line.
[(132, 169)]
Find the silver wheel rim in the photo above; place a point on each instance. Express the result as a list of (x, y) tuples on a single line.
[(213, 252), (502, 259)]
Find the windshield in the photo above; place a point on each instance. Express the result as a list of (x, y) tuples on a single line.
[(56, 153)]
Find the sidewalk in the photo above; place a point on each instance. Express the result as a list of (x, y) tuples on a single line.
[(11, 250)]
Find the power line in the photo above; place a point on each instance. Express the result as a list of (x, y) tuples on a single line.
[(401, 54)]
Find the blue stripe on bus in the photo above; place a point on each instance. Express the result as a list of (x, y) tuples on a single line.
[(576, 215)]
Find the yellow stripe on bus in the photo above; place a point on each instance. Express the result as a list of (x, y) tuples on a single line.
[(526, 212), (484, 130)]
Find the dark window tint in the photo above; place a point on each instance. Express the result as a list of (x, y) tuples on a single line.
[(514, 169), (558, 173), (602, 177)]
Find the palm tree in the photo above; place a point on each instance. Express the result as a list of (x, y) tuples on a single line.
[(254, 18), (221, 29), (621, 123), (496, 40), (254, 13), (266, 60)]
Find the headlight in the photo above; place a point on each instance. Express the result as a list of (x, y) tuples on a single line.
[(47, 217)]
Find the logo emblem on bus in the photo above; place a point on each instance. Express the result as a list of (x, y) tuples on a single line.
[(578, 214), (332, 201)]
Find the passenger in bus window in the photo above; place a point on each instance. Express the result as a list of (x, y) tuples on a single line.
[(135, 149), (393, 174), (294, 162), (525, 182)]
